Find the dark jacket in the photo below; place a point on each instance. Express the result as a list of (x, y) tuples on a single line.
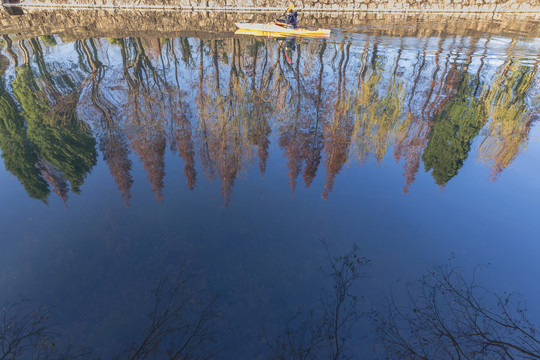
[(292, 19)]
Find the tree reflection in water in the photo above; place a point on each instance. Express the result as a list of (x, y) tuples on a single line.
[(44, 144), (329, 330), (182, 324), (444, 315), (218, 103), (28, 334), (448, 316)]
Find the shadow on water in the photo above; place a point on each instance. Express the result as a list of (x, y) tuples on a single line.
[(218, 104), (444, 315)]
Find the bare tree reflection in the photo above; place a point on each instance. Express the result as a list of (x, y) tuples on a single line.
[(325, 332), (260, 131), (450, 317), (303, 110), (325, 102), (443, 316), (146, 109), (105, 114), (181, 323), (27, 334), (339, 129)]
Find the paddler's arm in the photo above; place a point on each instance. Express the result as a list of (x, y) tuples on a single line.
[(286, 11)]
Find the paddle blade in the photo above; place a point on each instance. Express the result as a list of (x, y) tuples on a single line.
[(287, 56), (290, 8)]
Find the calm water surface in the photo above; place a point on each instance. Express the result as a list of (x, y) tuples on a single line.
[(231, 173)]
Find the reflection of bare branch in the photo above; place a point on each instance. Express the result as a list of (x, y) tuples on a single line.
[(27, 334), (20, 330), (324, 333), (182, 326), (342, 306), (181, 323), (302, 337), (449, 317)]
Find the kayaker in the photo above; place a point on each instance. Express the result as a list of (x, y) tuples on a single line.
[(291, 17)]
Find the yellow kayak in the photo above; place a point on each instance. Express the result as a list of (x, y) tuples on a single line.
[(273, 29)]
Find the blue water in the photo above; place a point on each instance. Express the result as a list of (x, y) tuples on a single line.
[(258, 242)]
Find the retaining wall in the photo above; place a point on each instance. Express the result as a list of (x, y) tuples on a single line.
[(454, 6)]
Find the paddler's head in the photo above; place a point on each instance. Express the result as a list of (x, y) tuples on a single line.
[(290, 8)]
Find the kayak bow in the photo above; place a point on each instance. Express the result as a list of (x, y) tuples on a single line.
[(273, 29)]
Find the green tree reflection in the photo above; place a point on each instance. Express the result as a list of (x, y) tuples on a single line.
[(17, 151), (63, 148), (453, 131)]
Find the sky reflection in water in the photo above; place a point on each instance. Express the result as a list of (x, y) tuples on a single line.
[(236, 156)]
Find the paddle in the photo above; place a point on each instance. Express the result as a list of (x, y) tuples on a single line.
[(281, 47), (287, 56)]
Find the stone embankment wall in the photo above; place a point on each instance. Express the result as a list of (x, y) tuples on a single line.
[(459, 6), (80, 24)]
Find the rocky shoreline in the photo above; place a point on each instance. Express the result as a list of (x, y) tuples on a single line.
[(393, 6), (76, 24)]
